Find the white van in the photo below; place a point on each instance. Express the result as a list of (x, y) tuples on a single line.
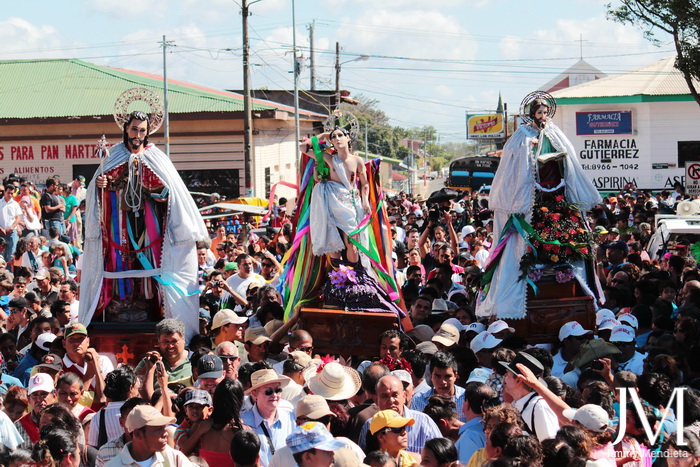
[(669, 230)]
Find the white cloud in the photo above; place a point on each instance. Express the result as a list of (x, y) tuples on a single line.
[(148, 9), (21, 39)]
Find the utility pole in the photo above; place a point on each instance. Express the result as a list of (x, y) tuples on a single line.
[(297, 70), (247, 104), (337, 76), (166, 119), (312, 60)]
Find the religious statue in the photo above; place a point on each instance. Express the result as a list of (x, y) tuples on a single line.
[(539, 197), (142, 225)]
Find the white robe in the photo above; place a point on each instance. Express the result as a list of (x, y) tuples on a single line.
[(178, 266), (513, 192)]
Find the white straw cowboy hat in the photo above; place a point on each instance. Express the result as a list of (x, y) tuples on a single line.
[(263, 377), (335, 382)]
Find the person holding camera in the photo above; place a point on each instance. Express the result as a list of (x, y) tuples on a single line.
[(170, 334), (217, 294)]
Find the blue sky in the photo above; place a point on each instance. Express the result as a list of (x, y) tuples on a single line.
[(430, 60)]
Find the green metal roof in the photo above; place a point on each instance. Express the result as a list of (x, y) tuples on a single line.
[(68, 87)]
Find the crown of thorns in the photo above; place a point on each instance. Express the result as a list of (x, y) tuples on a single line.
[(530, 98), (344, 120), (155, 113)]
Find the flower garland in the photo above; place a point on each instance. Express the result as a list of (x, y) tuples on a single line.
[(397, 364)]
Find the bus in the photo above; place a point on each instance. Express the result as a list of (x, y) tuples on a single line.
[(472, 172)]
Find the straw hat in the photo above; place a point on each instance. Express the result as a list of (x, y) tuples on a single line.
[(335, 382), (263, 377)]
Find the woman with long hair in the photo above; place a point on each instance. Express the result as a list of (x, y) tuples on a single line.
[(225, 421)]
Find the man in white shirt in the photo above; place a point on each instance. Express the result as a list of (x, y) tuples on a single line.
[(571, 336), (10, 215), (629, 359), (240, 281), (540, 419)]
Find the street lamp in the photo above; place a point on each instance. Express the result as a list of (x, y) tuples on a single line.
[(361, 58)]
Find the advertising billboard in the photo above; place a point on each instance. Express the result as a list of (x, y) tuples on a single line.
[(485, 126), (614, 122)]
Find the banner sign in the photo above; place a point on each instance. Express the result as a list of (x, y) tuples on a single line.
[(614, 122), (485, 126)]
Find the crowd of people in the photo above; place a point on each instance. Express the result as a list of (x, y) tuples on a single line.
[(251, 389)]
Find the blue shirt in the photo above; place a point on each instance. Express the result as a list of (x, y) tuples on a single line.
[(284, 424), (24, 368), (420, 400), (419, 433), (471, 439)]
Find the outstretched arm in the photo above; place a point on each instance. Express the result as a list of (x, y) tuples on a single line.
[(364, 185)]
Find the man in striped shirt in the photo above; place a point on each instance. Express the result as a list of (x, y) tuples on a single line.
[(390, 395)]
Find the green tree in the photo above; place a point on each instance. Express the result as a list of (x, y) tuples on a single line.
[(679, 18)]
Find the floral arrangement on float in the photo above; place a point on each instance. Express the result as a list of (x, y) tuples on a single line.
[(558, 237)]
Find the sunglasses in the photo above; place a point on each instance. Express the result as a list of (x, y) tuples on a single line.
[(270, 391), (397, 431), (229, 358)]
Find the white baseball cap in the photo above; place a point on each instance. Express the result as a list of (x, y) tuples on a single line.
[(592, 416), (466, 230), (476, 327), (484, 341), (456, 323), (447, 335), (44, 340), (608, 323), (622, 333), (498, 326), (629, 318), (41, 382), (226, 316), (572, 328), (603, 314)]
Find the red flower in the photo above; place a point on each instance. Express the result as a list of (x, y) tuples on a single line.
[(555, 216), (574, 218), (556, 248), (568, 251), (572, 231), (547, 246), (559, 198), (584, 251)]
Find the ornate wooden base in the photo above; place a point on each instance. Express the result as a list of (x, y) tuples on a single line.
[(347, 332)]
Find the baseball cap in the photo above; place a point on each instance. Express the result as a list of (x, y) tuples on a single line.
[(232, 266), (18, 302), (421, 333), (592, 416), (312, 435), (600, 230), (618, 245), (257, 335), (463, 245), (498, 326), (226, 316), (466, 230), (403, 376), (484, 341), (572, 328), (626, 318), (456, 323), (427, 348), (51, 361), (313, 407), (622, 333), (197, 396), (75, 328), (607, 324), (210, 366), (602, 314), (388, 419), (42, 274), (41, 382), (447, 335), (204, 314), (44, 340), (300, 358), (479, 375), (146, 415), (476, 327)]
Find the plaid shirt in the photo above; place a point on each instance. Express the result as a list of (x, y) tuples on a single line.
[(109, 451)]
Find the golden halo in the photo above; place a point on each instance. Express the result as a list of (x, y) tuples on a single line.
[(545, 96), (155, 115), (345, 120)]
